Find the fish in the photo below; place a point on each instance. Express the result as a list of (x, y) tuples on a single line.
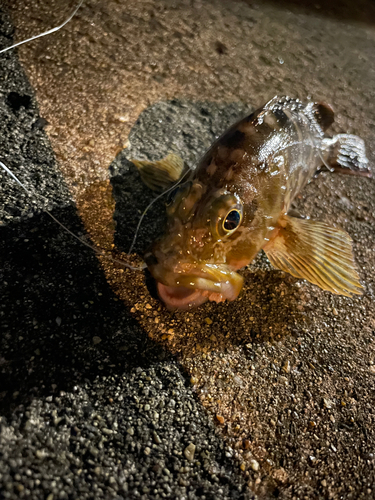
[(238, 201)]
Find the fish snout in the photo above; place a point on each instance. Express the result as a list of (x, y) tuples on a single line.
[(184, 285)]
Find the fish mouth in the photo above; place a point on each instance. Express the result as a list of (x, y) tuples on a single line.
[(208, 282)]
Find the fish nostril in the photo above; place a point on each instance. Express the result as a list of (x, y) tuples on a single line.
[(150, 259)]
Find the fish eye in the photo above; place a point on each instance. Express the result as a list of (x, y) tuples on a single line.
[(225, 215), (232, 220)]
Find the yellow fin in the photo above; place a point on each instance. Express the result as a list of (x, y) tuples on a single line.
[(315, 252), (162, 174)]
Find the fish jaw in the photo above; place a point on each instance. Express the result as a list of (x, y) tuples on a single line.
[(180, 297), (189, 285)]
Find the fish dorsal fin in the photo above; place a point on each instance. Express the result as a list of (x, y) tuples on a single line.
[(162, 174), (315, 252)]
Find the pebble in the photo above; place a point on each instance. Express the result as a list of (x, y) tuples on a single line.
[(94, 451), (112, 481), (280, 475), (283, 380), (254, 464), (327, 403), (96, 340), (208, 321), (189, 452), (220, 419), (147, 450), (156, 438), (286, 367), (346, 202)]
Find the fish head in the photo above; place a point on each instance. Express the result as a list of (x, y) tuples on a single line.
[(203, 246)]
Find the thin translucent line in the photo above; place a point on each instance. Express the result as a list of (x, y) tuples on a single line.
[(46, 32), (100, 252)]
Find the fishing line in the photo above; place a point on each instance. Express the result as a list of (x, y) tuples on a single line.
[(57, 28), (100, 252), (150, 205)]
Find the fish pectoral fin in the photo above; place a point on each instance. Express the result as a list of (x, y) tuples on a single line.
[(346, 154), (162, 174), (315, 252)]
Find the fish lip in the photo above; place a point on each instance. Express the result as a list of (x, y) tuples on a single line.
[(186, 290), (179, 297)]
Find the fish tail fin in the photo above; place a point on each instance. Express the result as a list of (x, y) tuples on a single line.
[(316, 252), (346, 154)]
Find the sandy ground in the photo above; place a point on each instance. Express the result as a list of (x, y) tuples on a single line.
[(105, 394)]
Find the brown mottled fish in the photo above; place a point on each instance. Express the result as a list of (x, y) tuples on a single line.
[(238, 201)]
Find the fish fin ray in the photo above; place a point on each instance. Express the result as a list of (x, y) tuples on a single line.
[(306, 249), (347, 155), (162, 174)]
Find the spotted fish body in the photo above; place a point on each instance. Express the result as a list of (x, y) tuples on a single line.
[(237, 201)]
